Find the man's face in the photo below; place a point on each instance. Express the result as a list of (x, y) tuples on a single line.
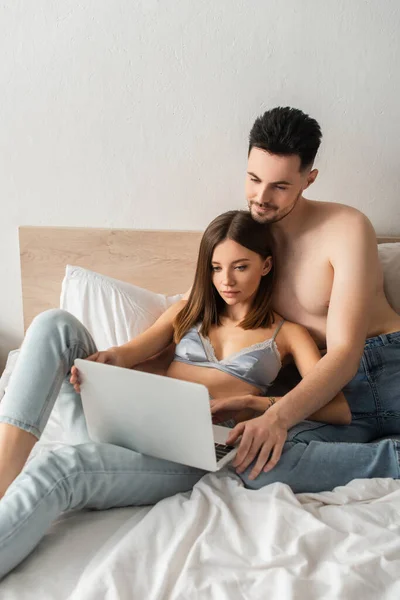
[(274, 184)]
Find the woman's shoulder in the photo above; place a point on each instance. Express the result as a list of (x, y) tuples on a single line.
[(176, 307), (169, 315), (289, 327), (289, 332)]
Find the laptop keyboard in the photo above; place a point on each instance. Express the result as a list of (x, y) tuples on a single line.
[(221, 450)]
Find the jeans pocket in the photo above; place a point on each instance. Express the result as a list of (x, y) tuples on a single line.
[(374, 364)]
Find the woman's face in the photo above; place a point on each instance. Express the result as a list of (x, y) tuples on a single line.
[(237, 271)]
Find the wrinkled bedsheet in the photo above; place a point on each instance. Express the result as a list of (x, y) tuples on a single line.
[(223, 542)]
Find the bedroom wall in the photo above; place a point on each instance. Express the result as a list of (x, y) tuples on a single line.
[(136, 114)]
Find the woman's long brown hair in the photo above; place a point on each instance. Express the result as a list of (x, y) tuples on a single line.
[(204, 303)]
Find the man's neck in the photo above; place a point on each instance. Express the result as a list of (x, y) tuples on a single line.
[(293, 223)]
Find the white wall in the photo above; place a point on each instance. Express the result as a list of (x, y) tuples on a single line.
[(124, 113)]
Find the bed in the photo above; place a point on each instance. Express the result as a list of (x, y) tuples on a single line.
[(222, 542)]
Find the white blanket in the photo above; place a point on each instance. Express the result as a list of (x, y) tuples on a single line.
[(224, 542)]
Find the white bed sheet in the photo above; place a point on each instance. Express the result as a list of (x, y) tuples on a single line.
[(224, 542)]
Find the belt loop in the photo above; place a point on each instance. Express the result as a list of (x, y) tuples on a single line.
[(384, 339)]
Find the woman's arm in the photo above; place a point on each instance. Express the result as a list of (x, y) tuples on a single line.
[(336, 412), (304, 350), (153, 340), (296, 341)]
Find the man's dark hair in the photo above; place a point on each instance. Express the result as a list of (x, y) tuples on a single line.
[(284, 131)]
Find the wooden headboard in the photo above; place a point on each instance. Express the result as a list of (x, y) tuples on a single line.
[(161, 261)]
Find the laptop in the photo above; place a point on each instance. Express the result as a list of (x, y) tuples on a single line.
[(160, 416)]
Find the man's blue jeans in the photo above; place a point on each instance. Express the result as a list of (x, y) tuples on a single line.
[(319, 457), (100, 476)]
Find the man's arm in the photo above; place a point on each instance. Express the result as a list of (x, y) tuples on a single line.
[(355, 263), (306, 356)]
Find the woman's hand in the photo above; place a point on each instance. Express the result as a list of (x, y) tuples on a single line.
[(223, 409), (108, 357), (262, 437)]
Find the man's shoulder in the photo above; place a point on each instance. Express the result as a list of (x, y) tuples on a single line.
[(339, 219), (334, 208)]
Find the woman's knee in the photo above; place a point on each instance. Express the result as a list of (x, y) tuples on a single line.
[(53, 472), (54, 317), (54, 465), (50, 319), (55, 320)]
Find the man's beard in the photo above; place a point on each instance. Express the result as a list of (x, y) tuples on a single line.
[(273, 219)]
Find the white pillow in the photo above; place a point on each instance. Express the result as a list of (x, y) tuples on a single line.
[(389, 255), (113, 311)]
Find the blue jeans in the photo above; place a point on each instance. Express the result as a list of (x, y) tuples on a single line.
[(101, 476), (313, 460)]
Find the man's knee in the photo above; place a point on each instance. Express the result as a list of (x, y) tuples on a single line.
[(307, 431), (282, 472)]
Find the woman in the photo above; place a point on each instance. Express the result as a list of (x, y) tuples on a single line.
[(227, 338)]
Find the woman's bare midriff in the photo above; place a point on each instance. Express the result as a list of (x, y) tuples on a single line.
[(218, 383)]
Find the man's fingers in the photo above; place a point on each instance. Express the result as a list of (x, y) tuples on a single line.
[(261, 460), (93, 357), (250, 456), (235, 433), (243, 449), (276, 454)]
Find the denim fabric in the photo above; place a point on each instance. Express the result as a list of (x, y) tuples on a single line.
[(313, 460), (86, 475), (100, 476), (41, 376)]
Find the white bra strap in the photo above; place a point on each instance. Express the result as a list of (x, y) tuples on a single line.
[(277, 330)]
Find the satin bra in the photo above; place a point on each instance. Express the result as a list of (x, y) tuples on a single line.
[(257, 365)]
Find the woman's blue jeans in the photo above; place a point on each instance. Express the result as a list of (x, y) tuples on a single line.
[(100, 476)]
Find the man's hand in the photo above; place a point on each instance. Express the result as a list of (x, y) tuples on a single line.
[(263, 436)]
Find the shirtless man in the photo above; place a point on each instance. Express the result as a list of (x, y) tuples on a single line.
[(329, 279)]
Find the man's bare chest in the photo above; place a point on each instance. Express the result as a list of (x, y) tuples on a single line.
[(303, 285)]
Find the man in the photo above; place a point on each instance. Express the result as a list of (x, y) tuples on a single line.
[(329, 280)]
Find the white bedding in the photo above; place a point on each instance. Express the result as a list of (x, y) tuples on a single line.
[(224, 542)]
